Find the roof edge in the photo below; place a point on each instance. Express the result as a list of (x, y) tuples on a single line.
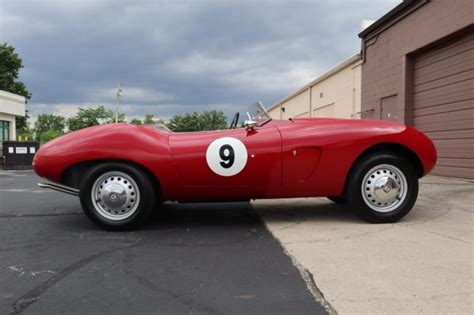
[(12, 97), (390, 15), (352, 60)]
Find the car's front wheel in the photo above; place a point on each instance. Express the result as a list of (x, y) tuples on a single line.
[(117, 196), (383, 188)]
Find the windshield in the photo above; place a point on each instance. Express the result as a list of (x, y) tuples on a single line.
[(258, 114)]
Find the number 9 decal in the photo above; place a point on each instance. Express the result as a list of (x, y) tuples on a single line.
[(226, 156)]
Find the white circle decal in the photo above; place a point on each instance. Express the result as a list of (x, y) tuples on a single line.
[(226, 156)]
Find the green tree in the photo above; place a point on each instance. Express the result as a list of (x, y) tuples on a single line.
[(26, 134), (212, 120), (186, 122), (136, 121), (49, 122), (111, 119), (149, 119), (88, 117), (48, 136), (21, 124), (10, 65)]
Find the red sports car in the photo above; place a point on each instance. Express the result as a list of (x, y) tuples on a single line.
[(121, 172)]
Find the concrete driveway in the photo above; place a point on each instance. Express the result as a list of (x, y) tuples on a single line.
[(422, 264)]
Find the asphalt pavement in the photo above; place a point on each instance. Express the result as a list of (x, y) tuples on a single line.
[(190, 258)]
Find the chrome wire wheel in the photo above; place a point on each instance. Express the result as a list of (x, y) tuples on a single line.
[(115, 195), (384, 188)]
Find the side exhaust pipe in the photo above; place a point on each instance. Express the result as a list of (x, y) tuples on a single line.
[(61, 188)]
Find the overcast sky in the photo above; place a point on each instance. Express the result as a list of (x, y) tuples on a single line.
[(178, 56)]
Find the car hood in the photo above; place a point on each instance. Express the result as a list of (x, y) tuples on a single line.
[(347, 121), (333, 126)]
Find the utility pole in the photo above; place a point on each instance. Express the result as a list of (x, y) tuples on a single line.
[(117, 105)]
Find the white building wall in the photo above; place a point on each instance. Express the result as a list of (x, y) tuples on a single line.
[(297, 106), (341, 92), (11, 105), (335, 94)]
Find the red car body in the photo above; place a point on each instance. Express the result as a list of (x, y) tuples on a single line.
[(293, 158)]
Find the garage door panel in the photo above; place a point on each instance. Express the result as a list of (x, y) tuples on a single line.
[(449, 50), (451, 98), (456, 162), (446, 68), (460, 148), (454, 171), (445, 94), (440, 126), (451, 54), (458, 77), (444, 108), (450, 134), (457, 119)]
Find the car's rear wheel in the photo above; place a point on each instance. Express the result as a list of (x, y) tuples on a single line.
[(117, 196), (383, 188)]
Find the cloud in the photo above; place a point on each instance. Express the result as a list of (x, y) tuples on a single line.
[(129, 95), (178, 56), (248, 74)]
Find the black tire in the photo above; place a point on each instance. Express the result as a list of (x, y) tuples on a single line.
[(145, 196), (384, 163), (338, 200)]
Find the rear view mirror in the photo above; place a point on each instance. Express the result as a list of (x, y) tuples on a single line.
[(250, 124)]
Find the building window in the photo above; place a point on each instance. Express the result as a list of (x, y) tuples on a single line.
[(4, 130)]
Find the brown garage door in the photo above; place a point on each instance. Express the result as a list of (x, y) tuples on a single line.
[(444, 104)]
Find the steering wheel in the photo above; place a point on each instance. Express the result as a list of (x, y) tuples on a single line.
[(235, 121)]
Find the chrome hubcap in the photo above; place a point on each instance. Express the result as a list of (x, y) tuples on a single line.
[(115, 195), (384, 188)]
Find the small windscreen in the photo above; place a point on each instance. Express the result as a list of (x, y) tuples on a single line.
[(259, 114)]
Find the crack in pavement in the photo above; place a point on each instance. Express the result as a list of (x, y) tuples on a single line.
[(289, 226), (326, 240), (6, 249), (36, 191), (408, 298), (188, 302), (442, 235), (37, 215), (34, 294), (430, 219)]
